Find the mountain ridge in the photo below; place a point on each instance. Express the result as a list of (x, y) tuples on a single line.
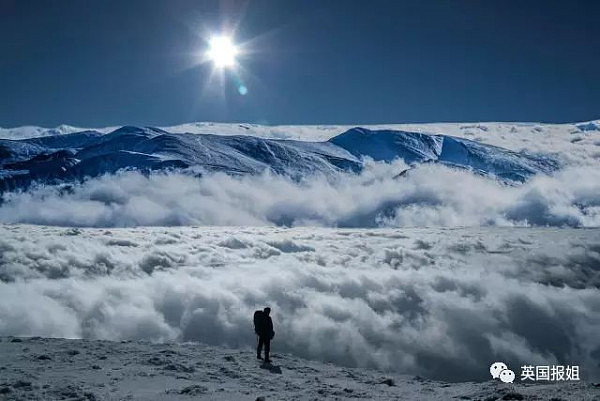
[(91, 153)]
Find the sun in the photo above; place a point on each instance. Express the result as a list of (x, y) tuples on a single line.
[(222, 51)]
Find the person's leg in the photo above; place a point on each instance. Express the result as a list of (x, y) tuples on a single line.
[(267, 349), (261, 341)]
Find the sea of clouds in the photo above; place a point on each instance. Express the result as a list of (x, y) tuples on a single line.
[(468, 287), (429, 195), (440, 303)]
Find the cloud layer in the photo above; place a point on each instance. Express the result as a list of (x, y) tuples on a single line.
[(440, 303), (429, 195)]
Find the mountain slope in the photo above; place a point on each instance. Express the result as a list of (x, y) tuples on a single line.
[(37, 369), (387, 145), (91, 153)]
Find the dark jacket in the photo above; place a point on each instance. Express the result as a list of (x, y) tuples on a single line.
[(264, 326)]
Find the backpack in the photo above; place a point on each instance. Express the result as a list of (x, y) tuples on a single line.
[(258, 321)]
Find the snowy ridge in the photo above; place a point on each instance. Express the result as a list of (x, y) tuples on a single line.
[(90, 153), (387, 145), (535, 137), (574, 143), (97, 371), (491, 130), (30, 131)]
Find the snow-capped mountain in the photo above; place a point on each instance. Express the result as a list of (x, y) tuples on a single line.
[(412, 147), (31, 131), (92, 153), (502, 134)]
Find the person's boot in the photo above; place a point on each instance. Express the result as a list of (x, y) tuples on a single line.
[(259, 357)]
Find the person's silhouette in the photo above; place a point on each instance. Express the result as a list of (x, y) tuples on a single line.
[(263, 326)]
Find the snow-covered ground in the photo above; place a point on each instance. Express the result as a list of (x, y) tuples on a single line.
[(59, 369)]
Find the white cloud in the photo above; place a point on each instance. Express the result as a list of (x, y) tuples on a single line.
[(429, 195), (433, 302)]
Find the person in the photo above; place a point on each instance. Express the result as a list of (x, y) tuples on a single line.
[(263, 326)]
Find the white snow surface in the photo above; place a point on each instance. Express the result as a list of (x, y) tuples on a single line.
[(579, 141), (533, 137), (439, 303), (60, 369), (31, 131)]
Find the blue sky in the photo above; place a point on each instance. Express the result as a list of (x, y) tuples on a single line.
[(98, 63)]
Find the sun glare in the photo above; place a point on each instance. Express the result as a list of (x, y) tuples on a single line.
[(222, 51)]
